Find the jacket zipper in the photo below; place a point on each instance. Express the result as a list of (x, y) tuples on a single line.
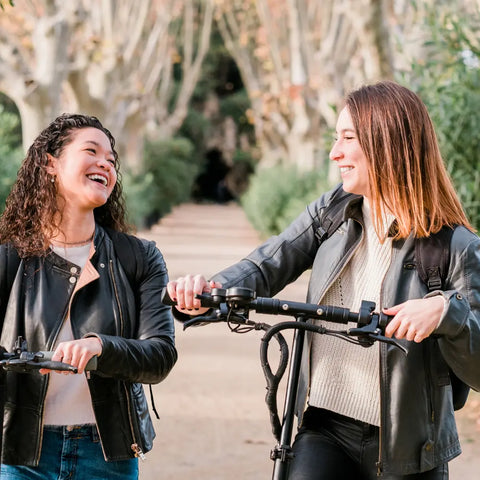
[(138, 452)]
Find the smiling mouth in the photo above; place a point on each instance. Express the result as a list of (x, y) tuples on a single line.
[(98, 179), (345, 169)]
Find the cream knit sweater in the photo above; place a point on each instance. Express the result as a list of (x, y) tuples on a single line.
[(344, 376)]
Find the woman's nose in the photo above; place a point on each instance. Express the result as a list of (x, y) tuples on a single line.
[(335, 152), (104, 163)]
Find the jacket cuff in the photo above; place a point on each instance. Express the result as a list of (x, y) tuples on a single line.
[(437, 293), (92, 334), (455, 313)]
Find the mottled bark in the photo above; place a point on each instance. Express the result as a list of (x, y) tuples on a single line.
[(109, 58)]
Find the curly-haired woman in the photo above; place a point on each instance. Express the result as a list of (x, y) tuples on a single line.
[(63, 287)]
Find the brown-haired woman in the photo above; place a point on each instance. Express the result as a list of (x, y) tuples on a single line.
[(63, 287), (369, 412)]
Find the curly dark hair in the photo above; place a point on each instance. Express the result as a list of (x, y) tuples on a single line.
[(32, 212)]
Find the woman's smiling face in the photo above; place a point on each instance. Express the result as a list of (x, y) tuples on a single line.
[(85, 172), (348, 154)]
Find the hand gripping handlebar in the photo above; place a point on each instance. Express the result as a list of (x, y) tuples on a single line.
[(23, 361)]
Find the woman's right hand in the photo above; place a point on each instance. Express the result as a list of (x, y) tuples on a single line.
[(183, 291)]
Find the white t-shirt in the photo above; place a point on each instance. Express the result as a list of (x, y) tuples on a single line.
[(68, 400)]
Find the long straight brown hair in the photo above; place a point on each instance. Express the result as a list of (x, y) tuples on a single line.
[(407, 175)]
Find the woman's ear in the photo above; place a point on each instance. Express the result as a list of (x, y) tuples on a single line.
[(51, 165)]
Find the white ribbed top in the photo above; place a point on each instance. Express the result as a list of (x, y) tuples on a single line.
[(344, 376)]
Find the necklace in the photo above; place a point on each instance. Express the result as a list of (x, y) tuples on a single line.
[(75, 244)]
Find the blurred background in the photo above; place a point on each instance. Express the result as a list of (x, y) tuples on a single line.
[(214, 100), (220, 102)]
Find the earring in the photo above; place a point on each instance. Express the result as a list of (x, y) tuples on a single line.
[(52, 179)]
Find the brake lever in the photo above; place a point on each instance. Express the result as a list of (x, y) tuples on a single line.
[(221, 314), (28, 361), (372, 332), (390, 341), (201, 320), (368, 337)]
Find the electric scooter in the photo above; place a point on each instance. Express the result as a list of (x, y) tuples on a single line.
[(233, 305)]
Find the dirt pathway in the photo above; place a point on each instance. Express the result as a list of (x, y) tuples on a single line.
[(214, 423)]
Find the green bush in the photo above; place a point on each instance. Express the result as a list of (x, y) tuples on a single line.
[(279, 194), (9, 164), (10, 148), (236, 106), (138, 190), (449, 84), (166, 180), (454, 109)]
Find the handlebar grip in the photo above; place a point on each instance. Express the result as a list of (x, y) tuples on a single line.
[(208, 300), (384, 320), (91, 364), (165, 298)]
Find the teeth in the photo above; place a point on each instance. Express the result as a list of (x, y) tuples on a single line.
[(345, 169), (100, 178)]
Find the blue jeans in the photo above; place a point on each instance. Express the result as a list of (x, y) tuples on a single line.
[(329, 446), (73, 453)]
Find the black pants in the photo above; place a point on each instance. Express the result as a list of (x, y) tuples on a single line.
[(329, 446)]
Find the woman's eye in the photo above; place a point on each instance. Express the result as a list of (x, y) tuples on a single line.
[(91, 150)]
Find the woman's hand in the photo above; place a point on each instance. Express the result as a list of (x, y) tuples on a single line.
[(415, 320), (76, 353), (183, 291)]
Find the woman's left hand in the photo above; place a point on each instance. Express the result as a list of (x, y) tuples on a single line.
[(415, 320), (76, 353)]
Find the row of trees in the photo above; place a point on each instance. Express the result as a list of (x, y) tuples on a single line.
[(141, 65), (116, 59), (135, 63)]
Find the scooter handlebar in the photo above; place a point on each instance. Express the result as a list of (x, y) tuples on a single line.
[(237, 298)]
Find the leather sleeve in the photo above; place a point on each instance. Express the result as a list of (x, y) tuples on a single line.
[(459, 328), (150, 356), (282, 258)]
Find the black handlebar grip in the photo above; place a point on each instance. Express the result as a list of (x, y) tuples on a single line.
[(384, 320), (165, 298), (91, 364)]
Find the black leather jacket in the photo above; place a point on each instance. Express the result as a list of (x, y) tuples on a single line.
[(418, 430), (136, 331)]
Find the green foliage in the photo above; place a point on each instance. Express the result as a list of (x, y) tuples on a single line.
[(195, 128), (454, 108), (139, 195), (220, 81), (166, 181), (449, 84), (10, 148), (236, 106), (219, 71), (4, 2), (277, 195)]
